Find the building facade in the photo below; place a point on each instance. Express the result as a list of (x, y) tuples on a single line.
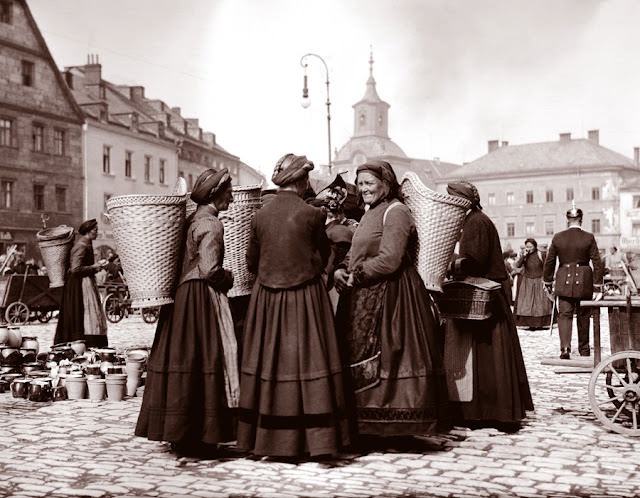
[(526, 189), (40, 136)]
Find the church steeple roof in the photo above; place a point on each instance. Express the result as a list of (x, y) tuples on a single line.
[(371, 95)]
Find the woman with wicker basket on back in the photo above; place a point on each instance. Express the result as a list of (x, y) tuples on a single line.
[(192, 373), (392, 337), (291, 398), (500, 388), (81, 315)]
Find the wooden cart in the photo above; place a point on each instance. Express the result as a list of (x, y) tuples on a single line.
[(117, 303), (24, 295)]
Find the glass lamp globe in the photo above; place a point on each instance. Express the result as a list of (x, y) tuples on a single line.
[(305, 102)]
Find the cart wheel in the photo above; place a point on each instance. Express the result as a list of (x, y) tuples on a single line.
[(150, 315), (113, 309), (17, 313), (44, 316), (614, 392)]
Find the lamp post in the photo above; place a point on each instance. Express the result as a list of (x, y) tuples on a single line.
[(305, 96)]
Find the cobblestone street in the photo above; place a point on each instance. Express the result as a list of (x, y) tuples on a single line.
[(84, 448)]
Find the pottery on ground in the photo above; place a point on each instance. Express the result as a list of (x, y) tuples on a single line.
[(79, 347), (30, 343), (76, 387), (97, 389), (116, 388), (15, 337)]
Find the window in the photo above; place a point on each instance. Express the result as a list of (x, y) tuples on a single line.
[(127, 164), (106, 159), (548, 227), (38, 197), (636, 201), (595, 225), (6, 195), (529, 196), (161, 171), (27, 73), (530, 227), (570, 194), (61, 198), (491, 199), (147, 169), (549, 195), (105, 198), (102, 91), (635, 229), (190, 181), (509, 197), (595, 194), (6, 132), (58, 142), (511, 229), (5, 11), (37, 138)]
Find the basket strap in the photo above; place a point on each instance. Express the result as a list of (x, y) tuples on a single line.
[(389, 208)]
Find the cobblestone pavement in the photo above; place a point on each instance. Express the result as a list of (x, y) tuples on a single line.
[(84, 448)]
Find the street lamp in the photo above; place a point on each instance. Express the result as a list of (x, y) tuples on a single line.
[(305, 96)]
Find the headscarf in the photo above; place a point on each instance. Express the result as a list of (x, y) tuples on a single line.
[(290, 168), (383, 171), (208, 184), (466, 190), (533, 241), (87, 226), (332, 195)]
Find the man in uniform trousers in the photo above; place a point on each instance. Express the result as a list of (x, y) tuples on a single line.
[(574, 279)]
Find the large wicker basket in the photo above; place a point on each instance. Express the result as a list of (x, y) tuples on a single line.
[(55, 248), (470, 299), (149, 235), (237, 230), (439, 218)]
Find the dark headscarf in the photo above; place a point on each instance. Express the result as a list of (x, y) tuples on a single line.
[(208, 184), (290, 168), (533, 241), (466, 190), (383, 171), (87, 226)]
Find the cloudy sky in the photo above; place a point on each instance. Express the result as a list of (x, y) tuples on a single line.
[(456, 73)]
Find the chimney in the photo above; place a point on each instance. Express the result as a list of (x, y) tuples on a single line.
[(505, 143), (136, 92), (209, 137), (594, 136), (68, 78), (636, 156), (93, 70), (493, 145), (565, 137)]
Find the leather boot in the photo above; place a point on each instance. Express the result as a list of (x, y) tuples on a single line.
[(565, 354)]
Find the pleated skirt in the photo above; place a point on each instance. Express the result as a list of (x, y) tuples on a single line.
[(292, 400), (184, 396)]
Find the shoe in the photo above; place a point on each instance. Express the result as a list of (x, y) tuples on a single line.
[(585, 353), (564, 354)]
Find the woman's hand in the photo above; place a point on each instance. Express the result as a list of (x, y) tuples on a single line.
[(341, 280)]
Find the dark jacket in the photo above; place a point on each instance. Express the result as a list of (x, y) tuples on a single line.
[(573, 248), (288, 245)]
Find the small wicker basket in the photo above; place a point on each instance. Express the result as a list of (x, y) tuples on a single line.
[(149, 234), (439, 218), (55, 248), (470, 299)]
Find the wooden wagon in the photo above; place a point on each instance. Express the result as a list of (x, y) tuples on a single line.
[(24, 296)]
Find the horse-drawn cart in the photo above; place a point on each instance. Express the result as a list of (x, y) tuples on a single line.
[(22, 295)]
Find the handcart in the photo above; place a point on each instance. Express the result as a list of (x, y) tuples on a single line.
[(25, 294), (117, 303)]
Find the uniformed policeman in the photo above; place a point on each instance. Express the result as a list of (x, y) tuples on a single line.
[(574, 279)]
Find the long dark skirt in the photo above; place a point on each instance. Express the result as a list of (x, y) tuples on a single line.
[(184, 395), (500, 386), (70, 326), (406, 394), (533, 307), (291, 387)]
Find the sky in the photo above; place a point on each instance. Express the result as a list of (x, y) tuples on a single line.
[(456, 73)]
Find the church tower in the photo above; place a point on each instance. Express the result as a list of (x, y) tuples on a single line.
[(371, 113)]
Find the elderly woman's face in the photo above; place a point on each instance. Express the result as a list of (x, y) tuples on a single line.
[(371, 188), (225, 198)]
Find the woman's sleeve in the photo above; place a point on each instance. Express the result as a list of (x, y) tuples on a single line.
[(210, 240), (76, 267), (395, 235), (474, 246)]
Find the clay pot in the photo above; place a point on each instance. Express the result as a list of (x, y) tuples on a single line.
[(27, 368), (97, 389), (93, 369), (9, 369), (20, 387), (4, 334), (59, 393), (28, 355), (79, 347), (5, 351), (39, 390), (4, 386), (31, 343), (12, 358), (133, 382), (106, 354), (116, 387), (76, 387), (15, 337)]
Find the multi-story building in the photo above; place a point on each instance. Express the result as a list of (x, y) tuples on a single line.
[(526, 189), (40, 136)]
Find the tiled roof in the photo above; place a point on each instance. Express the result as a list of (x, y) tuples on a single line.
[(567, 156)]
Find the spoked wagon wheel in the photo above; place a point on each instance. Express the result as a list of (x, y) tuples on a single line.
[(17, 313), (614, 392), (44, 316), (150, 315), (113, 309)]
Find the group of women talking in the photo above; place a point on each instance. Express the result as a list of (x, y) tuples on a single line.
[(319, 377)]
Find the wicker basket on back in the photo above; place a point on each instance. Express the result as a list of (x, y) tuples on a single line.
[(237, 230), (55, 248), (439, 218), (149, 234)]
